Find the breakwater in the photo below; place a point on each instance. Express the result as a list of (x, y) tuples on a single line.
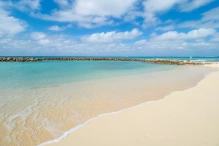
[(156, 61)]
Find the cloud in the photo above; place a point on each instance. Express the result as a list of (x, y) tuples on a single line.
[(62, 3), (102, 8), (209, 19), (194, 4), (111, 36), (28, 4), (165, 28), (93, 13), (22, 5), (38, 35), (58, 28), (96, 13), (153, 8), (44, 41), (44, 44), (41, 38), (215, 38), (55, 28), (199, 24), (191, 35), (211, 14), (181, 47), (10, 25), (89, 13)]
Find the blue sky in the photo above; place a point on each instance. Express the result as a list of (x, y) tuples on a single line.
[(109, 27)]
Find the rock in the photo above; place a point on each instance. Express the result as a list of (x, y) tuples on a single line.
[(158, 61)]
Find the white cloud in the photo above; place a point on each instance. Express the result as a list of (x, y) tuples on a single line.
[(173, 47), (211, 14), (62, 3), (165, 28), (199, 24), (55, 28), (193, 34), (113, 8), (190, 24), (152, 8), (45, 44), (89, 13), (194, 4), (41, 38), (209, 19), (38, 35), (44, 41), (58, 28), (10, 25), (94, 13), (28, 4), (22, 5), (161, 46), (112, 36), (159, 6), (215, 38)]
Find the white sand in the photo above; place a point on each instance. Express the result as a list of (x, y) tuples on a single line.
[(184, 118), (33, 116)]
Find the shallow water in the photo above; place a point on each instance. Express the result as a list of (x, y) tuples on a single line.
[(49, 73), (41, 101)]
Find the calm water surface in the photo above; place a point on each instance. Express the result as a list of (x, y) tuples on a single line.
[(37, 74)]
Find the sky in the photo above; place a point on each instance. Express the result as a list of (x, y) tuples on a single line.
[(109, 27)]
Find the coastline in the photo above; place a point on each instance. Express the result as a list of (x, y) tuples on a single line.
[(165, 120), (64, 107)]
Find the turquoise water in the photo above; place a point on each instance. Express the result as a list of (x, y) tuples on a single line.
[(47, 73), (211, 59), (27, 108)]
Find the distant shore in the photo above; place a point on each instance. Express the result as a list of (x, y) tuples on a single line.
[(183, 118), (156, 61)]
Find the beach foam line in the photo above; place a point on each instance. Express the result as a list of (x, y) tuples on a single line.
[(115, 112)]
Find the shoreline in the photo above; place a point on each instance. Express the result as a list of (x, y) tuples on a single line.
[(78, 127), (69, 108), (68, 134)]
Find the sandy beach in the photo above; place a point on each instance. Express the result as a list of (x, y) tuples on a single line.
[(49, 112), (109, 73), (183, 118)]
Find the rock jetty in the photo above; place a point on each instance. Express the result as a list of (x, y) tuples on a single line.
[(19, 59), (156, 61)]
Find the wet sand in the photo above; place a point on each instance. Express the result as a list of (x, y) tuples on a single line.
[(33, 116), (183, 118)]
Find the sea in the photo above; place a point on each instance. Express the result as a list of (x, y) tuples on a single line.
[(41, 102)]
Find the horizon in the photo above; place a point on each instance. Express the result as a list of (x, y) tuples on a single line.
[(133, 28)]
